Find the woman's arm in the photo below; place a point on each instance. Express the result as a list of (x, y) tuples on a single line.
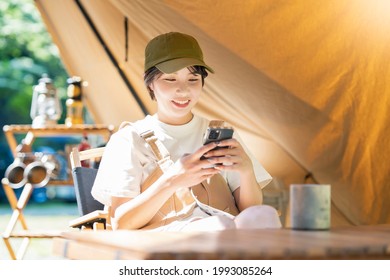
[(188, 171), (135, 213), (248, 196)]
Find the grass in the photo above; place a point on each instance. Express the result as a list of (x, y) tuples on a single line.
[(50, 215)]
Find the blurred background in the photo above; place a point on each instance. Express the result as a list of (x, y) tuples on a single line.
[(26, 53)]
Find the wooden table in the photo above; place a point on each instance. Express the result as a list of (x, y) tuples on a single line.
[(355, 242)]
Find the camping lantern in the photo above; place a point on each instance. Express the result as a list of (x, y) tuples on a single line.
[(45, 106), (74, 104)]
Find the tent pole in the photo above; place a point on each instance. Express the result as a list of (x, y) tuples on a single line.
[(112, 58)]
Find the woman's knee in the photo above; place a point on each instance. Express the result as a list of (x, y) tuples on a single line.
[(259, 216)]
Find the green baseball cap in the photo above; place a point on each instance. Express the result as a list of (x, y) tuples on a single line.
[(173, 51)]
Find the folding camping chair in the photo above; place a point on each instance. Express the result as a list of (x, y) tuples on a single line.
[(92, 213)]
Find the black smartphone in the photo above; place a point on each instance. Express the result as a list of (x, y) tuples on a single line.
[(214, 134)]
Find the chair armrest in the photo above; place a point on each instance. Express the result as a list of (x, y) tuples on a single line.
[(88, 220)]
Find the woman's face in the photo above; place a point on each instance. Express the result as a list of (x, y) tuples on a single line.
[(176, 94)]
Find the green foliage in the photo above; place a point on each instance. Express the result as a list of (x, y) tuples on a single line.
[(26, 52)]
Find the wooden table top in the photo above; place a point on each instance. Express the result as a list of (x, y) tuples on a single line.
[(355, 242)]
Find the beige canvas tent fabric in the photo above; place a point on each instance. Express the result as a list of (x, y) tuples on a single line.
[(306, 83)]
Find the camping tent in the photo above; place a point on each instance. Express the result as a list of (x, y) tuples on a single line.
[(304, 82)]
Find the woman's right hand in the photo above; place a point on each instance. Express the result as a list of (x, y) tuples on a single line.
[(190, 169)]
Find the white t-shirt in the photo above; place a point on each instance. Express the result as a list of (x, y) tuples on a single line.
[(128, 160)]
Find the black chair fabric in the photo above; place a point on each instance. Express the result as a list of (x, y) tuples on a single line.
[(83, 182)]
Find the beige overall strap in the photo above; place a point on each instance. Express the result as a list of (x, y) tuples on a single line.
[(161, 153), (158, 148), (181, 204)]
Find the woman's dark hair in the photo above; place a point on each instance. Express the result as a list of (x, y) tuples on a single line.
[(153, 73)]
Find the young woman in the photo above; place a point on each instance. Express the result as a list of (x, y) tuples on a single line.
[(143, 191)]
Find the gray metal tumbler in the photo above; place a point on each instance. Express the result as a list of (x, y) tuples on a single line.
[(310, 206)]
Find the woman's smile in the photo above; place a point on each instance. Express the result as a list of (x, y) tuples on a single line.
[(181, 103)]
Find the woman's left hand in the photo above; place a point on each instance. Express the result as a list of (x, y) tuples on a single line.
[(231, 156)]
